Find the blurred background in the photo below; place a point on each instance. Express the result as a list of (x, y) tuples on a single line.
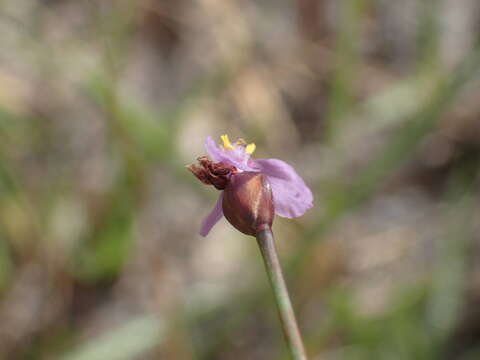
[(376, 103)]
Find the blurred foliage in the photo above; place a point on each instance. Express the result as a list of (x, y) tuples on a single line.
[(103, 103)]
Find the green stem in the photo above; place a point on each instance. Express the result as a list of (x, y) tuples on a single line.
[(287, 316)]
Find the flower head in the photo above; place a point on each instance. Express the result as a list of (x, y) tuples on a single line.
[(291, 197)]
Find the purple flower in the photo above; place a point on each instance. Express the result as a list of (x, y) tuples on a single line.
[(291, 196)]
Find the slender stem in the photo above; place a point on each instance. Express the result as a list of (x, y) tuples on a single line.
[(284, 306)]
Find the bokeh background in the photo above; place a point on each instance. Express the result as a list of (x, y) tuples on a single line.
[(376, 103)]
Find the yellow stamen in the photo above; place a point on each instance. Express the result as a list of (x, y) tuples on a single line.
[(227, 145), (250, 148)]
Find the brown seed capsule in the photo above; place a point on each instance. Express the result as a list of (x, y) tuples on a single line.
[(248, 202)]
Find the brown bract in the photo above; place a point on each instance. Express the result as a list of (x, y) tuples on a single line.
[(248, 203), (212, 173)]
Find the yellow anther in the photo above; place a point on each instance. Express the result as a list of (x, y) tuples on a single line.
[(227, 145), (250, 148)]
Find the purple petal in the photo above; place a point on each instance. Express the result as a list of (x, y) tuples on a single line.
[(290, 194), (212, 218), (214, 152), (237, 156)]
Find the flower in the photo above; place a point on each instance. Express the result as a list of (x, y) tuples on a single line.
[(291, 197)]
